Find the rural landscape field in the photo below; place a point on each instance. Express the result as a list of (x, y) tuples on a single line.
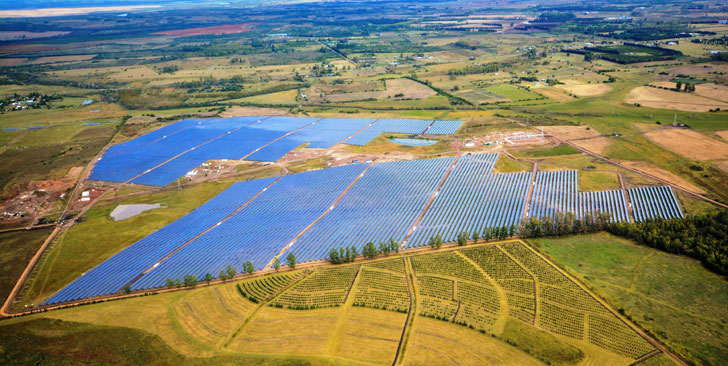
[(364, 183)]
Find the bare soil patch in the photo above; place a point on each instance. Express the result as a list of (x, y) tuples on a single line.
[(140, 119), (690, 144), (570, 132), (585, 90), (597, 145), (713, 91), (12, 61), (699, 69), (552, 93), (664, 84), (662, 174), (214, 30), (253, 111), (722, 134), (722, 165), (667, 99), (410, 89)]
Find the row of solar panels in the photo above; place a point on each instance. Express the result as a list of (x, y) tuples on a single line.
[(350, 205), (160, 157)]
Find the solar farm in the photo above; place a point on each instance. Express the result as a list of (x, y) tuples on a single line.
[(310, 213), (160, 157)]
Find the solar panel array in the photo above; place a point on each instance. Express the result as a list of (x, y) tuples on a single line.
[(472, 198), (443, 127), (160, 157), (556, 192), (383, 204), (611, 202), (410, 126), (653, 202), (321, 134), (255, 220), (109, 276), (261, 229)]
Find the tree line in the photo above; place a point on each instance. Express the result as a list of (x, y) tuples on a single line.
[(225, 274), (703, 237)]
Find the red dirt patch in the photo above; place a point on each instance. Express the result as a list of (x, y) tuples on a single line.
[(214, 30)]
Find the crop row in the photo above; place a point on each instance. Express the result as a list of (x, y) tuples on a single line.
[(382, 290), (447, 264), (324, 288), (262, 289)]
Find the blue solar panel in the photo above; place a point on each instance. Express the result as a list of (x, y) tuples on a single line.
[(443, 127), (382, 205), (259, 231), (92, 124), (409, 126), (654, 202), (473, 198), (321, 134), (111, 275)]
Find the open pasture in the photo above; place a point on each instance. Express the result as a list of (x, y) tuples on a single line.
[(668, 99), (690, 144)]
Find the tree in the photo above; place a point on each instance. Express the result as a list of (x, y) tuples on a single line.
[(222, 275), (385, 248), (462, 238), (276, 264), (334, 256), (190, 281), (127, 289), (291, 259), (436, 241), (208, 278), (170, 283), (370, 250), (177, 283), (487, 234), (353, 253), (678, 86), (393, 245), (476, 236), (230, 272), (248, 268)]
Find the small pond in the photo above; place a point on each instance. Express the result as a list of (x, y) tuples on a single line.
[(122, 212), (413, 142)]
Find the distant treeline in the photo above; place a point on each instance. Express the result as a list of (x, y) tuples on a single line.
[(474, 69), (618, 54)]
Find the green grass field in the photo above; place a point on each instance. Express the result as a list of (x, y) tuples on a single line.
[(673, 297), (16, 250)]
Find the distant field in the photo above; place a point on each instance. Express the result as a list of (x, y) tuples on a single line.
[(668, 99), (220, 29)]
